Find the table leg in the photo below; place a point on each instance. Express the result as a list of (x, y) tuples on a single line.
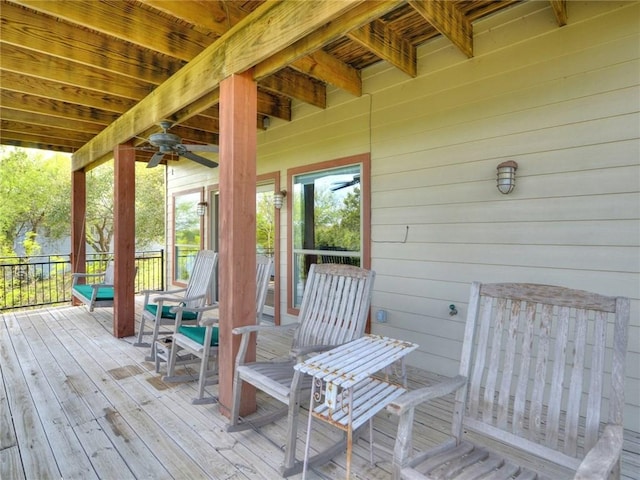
[(349, 432), (306, 445)]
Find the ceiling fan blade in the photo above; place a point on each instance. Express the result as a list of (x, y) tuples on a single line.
[(201, 148), (197, 158), (155, 159)]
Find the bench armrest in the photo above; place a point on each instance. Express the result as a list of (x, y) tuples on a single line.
[(204, 322), (182, 308), (246, 330), (176, 299), (264, 328), (150, 295), (604, 456), (302, 351), (412, 399)]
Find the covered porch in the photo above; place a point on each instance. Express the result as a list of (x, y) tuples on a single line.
[(77, 402)]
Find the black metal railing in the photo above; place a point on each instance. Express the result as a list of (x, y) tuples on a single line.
[(46, 279)]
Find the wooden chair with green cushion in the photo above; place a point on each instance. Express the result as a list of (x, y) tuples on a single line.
[(99, 293), (158, 305), (189, 342), (539, 394)]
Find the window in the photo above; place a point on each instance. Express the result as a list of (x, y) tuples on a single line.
[(328, 220), (187, 234)]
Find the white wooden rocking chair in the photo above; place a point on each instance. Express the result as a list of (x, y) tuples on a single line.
[(199, 343), (334, 310), (542, 368), (98, 293), (158, 305)]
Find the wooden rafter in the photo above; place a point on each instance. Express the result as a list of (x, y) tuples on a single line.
[(266, 31), (16, 85), (559, 8), (386, 44), (448, 20), (138, 26), (297, 86), (350, 20), (324, 67), (89, 48), (17, 59), (47, 106)]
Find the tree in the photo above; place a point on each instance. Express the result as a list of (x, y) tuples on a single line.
[(150, 202), (35, 194), (35, 188), (265, 222)]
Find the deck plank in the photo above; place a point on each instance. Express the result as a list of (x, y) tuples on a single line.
[(78, 403)]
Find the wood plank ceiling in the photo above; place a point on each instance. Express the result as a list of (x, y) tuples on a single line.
[(70, 70)]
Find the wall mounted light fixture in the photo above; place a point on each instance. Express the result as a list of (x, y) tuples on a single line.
[(201, 209), (278, 199), (507, 176)]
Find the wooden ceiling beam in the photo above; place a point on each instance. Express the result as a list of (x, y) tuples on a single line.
[(139, 26), (60, 92), (47, 106), (23, 116), (46, 132), (24, 29), (269, 29), (274, 105), (559, 8), (378, 38), (358, 16), (19, 139), (447, 18), (216, 17), (326, 68), (27, 62), (296, 85)]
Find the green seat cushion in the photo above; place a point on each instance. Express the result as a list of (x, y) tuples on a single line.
[(197, 334), (167, 313), (104, 293)]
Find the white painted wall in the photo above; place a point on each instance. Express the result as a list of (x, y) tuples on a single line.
[(562, 102)]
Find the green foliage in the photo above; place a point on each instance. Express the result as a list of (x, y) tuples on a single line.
[(35, 194), (265, 223), (339, 225), (35, 188)]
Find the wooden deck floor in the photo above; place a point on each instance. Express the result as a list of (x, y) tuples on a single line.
[(78, 403)]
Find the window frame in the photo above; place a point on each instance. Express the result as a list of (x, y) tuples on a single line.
[(364, 160)]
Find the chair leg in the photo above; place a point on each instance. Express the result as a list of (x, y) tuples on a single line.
[(235, 405), (292, 423), (208, 376), (140, 343), (171, 362), (156, 330)]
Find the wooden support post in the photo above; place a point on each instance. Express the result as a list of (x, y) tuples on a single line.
[(78, 221), (237, 261), (124, 240)]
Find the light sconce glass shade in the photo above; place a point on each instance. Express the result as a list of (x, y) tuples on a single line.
[(278, 199), (507, 176), (201, 209)]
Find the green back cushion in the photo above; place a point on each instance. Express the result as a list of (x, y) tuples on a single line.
[(167, 313), (104, 293), (197, 334)]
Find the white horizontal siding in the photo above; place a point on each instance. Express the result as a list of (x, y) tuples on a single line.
[(564, 105), (562, 102)]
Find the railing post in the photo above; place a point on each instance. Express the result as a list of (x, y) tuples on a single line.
[(162, 269)]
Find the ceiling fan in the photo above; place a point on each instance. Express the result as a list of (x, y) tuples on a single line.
[(340, 185), (168, 143)]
